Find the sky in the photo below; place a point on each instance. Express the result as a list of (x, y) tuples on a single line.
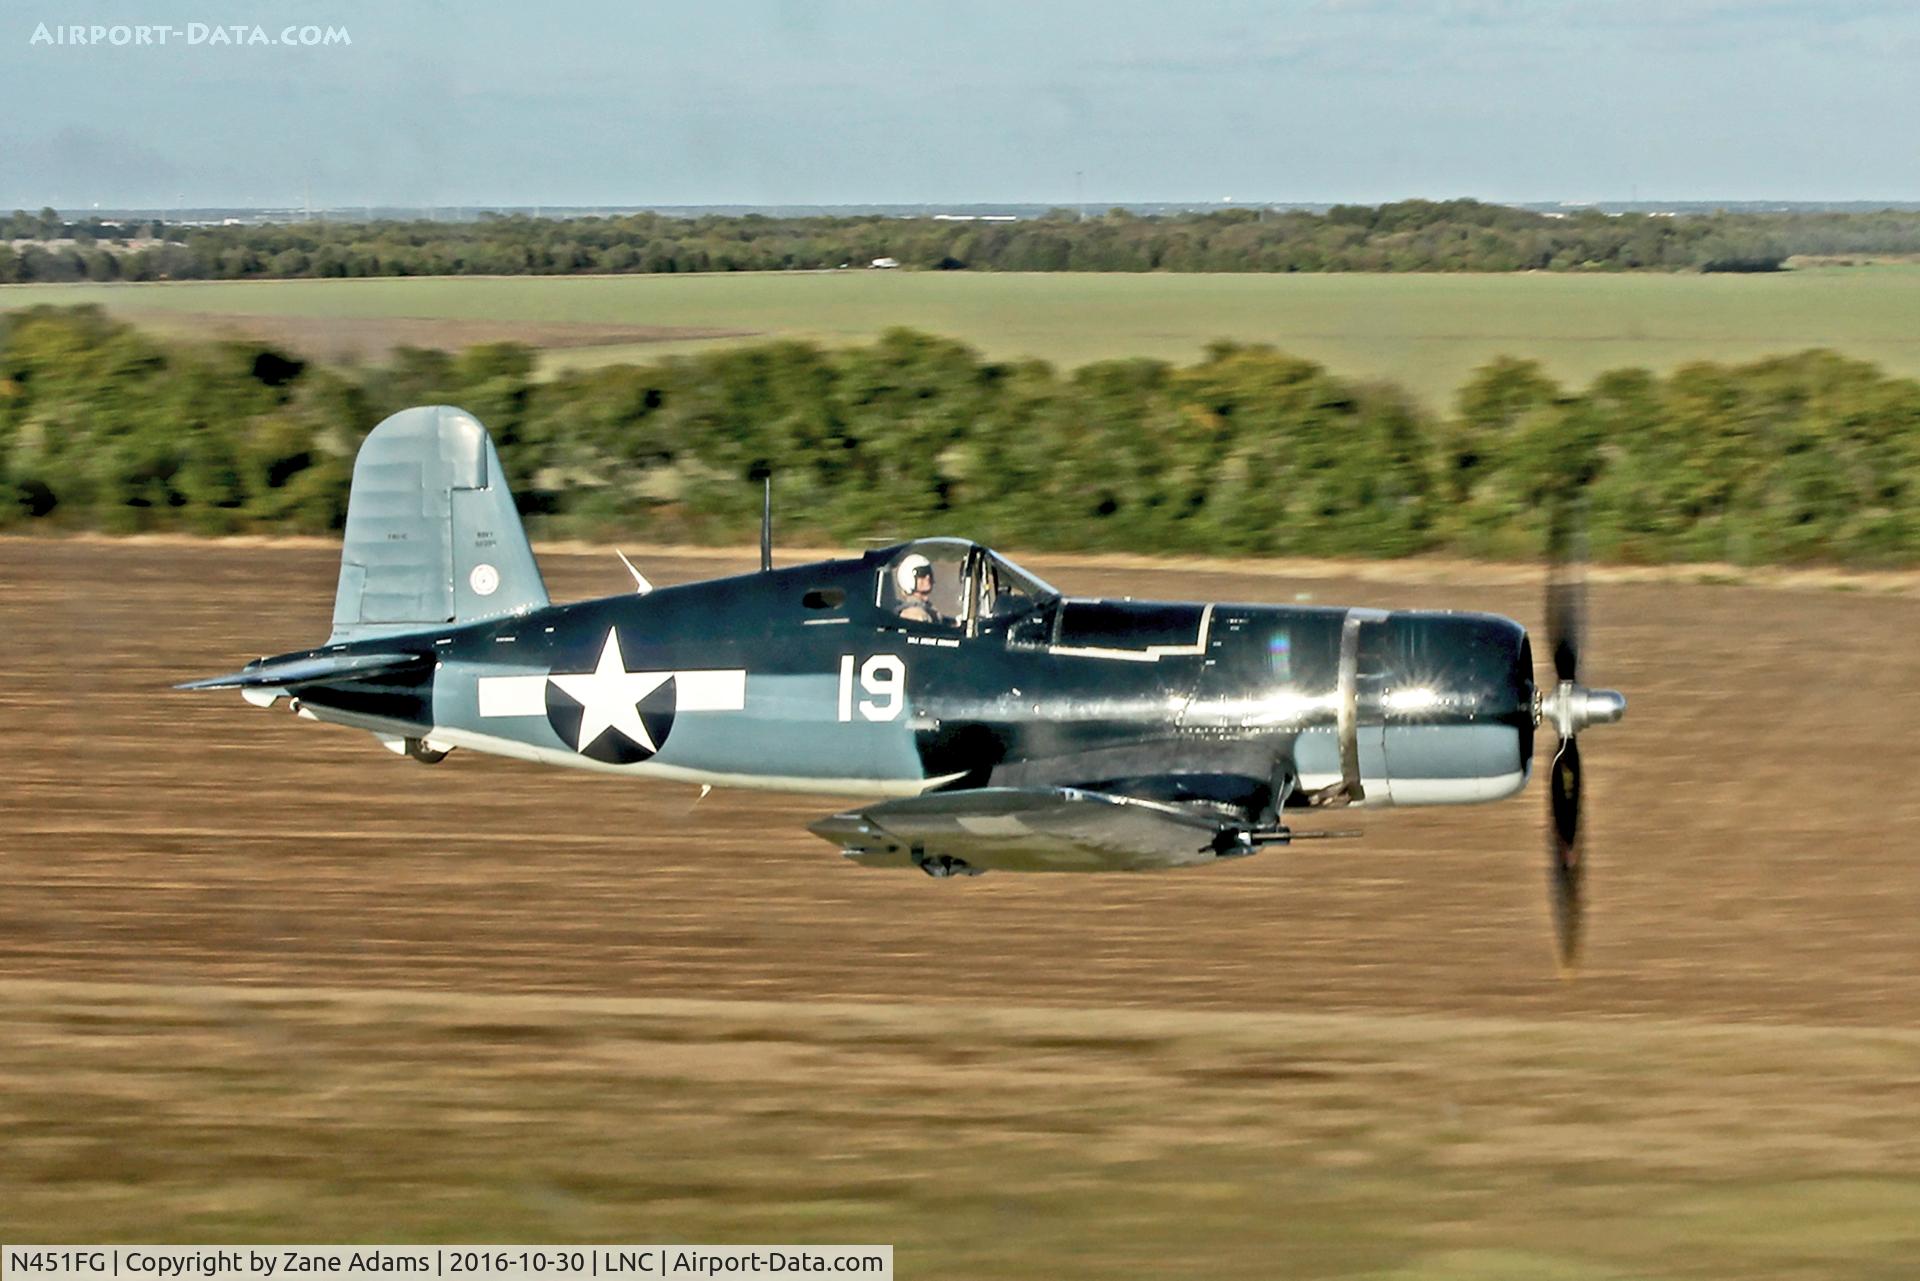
[(630, 102)]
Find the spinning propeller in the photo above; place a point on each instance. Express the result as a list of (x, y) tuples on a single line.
[(1571, 707)]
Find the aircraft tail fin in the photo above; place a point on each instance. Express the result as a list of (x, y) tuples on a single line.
[(432, 538)]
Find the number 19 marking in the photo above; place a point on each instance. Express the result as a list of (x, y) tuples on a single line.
[(884, 678)]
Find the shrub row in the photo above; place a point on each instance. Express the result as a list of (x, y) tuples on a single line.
[(1410, 235), (1809, 457)]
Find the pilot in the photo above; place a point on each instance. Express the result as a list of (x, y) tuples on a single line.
[(914, 575)]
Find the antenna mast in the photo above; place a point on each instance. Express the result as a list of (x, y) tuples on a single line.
[(766, 525)]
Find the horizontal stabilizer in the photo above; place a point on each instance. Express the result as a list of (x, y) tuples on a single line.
[(286, 673), (1027, 829)]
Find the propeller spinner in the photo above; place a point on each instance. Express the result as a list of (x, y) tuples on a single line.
[(1570, 707)]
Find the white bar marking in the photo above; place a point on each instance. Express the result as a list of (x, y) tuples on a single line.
[(715, 691), (513, 695), (707, 691)]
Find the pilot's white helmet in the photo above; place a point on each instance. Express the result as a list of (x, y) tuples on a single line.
[(910, 568)]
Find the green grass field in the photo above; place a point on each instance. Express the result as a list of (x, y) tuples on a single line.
[(1426, 332)]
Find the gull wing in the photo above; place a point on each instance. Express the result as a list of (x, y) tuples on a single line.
[(1030, 829)]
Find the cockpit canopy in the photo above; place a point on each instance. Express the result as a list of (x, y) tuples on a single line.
[(950, 584)]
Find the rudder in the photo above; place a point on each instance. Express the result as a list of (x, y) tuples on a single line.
[(432, 535)]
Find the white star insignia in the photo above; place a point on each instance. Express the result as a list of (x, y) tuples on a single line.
[(609, 697)]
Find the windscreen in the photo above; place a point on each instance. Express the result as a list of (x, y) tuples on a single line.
[(1008, 590)]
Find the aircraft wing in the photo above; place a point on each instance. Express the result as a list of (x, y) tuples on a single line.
[(284, 673), (1029, 829)]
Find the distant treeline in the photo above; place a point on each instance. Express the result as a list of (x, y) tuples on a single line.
[(1803, 458), (1413, 235)]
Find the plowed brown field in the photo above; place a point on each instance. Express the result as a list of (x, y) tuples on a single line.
[(1755, 860), (1756, 832)]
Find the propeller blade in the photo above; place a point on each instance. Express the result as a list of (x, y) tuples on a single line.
[(1566, 591), (1566, 870)]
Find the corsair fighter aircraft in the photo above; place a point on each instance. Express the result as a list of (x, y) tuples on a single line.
[(993, 722)]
